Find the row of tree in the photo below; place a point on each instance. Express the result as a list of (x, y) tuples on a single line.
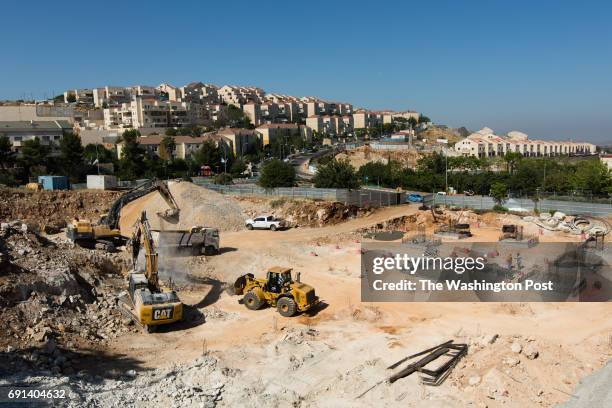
[(523, 176)]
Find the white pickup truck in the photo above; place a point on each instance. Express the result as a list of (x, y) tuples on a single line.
[(265, 222)]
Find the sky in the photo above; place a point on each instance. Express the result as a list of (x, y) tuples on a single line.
[(541, 67)]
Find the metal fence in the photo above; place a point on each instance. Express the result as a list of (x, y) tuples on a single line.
[(523, 204)]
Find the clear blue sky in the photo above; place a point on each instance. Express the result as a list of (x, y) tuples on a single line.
[(542, 67)]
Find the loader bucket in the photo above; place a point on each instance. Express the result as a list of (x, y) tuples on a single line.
[(241, 282)]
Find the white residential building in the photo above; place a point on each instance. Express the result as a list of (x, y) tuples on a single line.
[(150, 113), (485, 143)]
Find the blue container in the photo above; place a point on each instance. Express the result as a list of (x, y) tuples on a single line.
[(54, 182)]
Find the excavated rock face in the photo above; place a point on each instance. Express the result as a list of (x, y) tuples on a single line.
[(51, 210)]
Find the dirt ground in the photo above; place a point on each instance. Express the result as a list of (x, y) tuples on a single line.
[(328, 357), (342, 349)]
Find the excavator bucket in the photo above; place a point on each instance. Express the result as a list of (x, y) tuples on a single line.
[(241, 282), (170, 213)]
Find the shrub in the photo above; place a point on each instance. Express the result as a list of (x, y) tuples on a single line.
[(500, 208), (278, 202), (223, 178)]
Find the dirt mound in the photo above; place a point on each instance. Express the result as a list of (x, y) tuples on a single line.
[(53, 209), (302, 213), (198, 206)]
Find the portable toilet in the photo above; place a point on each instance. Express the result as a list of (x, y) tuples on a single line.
[(54, 182)]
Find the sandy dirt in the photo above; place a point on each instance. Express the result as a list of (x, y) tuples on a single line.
[(520, 354), (329, 357)]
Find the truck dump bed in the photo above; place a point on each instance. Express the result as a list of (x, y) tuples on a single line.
[(199, 239)]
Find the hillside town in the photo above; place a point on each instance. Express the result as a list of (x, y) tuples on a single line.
[(209, 246)]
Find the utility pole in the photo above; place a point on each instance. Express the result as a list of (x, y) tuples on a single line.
[(97, 159), (446, 170)]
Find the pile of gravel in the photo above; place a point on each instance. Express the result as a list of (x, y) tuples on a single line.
[(198, 207)]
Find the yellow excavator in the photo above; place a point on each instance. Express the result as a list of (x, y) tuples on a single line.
[(106, 231), (147, 304)]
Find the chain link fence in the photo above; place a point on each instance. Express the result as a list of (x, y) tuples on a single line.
[(523, 204)]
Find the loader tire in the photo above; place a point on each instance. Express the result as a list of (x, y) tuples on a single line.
[(286, 306), (252, 301)]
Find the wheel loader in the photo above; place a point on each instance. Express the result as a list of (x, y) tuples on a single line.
[(277, 289), (147, 304)]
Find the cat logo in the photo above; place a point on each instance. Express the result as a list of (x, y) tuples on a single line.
[(162, 314)]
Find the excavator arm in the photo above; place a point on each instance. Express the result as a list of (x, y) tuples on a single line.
[(142, 237), (114, 214)]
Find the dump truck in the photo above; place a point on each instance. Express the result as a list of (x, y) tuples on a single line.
[(277, 289), (197, 240), (146, 303), (106, 231)]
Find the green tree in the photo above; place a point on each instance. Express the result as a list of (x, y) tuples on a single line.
[(93, 152), (277, 174), (34, 154), (238, 167), (208, 155), (592, 176), (7, 156), (166, 148), (170, 132), (336, 174), (72, 156), (511, 159), (424, 119), (131, 163), (499, 192), (234, 117)]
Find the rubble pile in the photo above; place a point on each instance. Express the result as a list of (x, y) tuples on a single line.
[(200, 383), (51, 210), (569, 224), (52, 291)]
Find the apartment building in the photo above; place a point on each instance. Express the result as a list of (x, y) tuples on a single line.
[(80, 96), (363, 119), (485, 143), (331, 125), (317, 107), (197, 92), (49, 133), (270, 132), (174, 94), (186, 146), (111, 96), (607, 160), (240, 95), (150, 113), (271, 112), (240, 141)]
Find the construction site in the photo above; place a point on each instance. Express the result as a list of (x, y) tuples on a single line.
[(165, 294)]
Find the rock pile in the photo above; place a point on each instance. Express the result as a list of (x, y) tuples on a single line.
[(53, 291), (200, 383)]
